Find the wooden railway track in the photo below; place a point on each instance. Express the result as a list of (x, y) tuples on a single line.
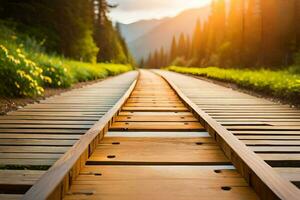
[(157, 143), (180, 162)]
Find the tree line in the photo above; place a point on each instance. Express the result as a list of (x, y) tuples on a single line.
[(238, 33), (78, 29)]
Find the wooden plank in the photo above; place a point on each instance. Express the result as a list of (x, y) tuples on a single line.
[(80, 110), (83, 106), (155, 109), (55, 118), (155, 104), (269, 149), (33, 149), (19, 177), (280, 156), (269, 137), (157, 134), (11, 196), (39, 136), (157, 118), (156, 126), (292, 174), (44, 122), (22, 155), (44, 126), (265, 128), (262, 132), (48, 131), (27, 162), (271, 142), (157, 182), (90, 114), (155, 113), (253, 111), (111, 172), (158, 151), (35, 142)]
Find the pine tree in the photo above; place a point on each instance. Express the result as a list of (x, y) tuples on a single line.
[(217, 21), (75, 25), (203, 52), (252, 33), (112, 46), (156, 60), (142, 63), (297, 23), (197, 42), (173, 51), (276, 32), (149, 61), (181, 46), (221, 7), (188, 48), (211, 40), (236, 31)]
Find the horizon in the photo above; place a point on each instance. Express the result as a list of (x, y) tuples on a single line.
[(130, 11)]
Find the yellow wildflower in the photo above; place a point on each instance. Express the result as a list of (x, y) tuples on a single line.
[(47, 79), (21, 55), (3, 48), (17, 85)]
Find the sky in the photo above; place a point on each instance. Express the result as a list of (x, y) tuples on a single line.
[(129, 11)]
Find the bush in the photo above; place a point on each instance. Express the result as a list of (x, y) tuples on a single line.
[(114, 69), (19, 75), (180, 61)]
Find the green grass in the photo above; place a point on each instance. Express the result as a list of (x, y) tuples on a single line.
[(281, 84), (26, 69)]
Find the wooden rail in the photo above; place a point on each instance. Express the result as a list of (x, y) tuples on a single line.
[(267, 183)]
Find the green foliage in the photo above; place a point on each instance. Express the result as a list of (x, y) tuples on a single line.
[(19, 76), (115, 69), (179, 61), (25, 69), (55, 68), (112, 47), (281, 84), (297, 58), (77, 29), (86, 49)]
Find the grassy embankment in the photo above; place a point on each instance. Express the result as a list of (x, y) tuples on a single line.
[(284, 84), (26, 69)]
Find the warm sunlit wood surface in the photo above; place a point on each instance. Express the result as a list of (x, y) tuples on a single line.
[(270, 129), (156, 149), (36, 136)]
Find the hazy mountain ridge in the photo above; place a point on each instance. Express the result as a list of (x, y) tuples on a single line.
[(145, 36), (135, 30)]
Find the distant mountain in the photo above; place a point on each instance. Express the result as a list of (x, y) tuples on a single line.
[(135, 30), (144, 37)]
